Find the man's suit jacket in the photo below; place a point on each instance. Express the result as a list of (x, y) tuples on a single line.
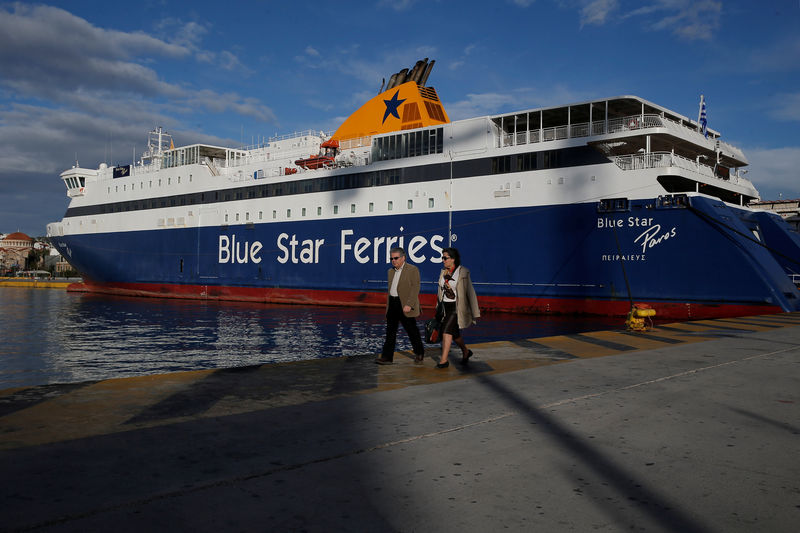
[(407, 288)]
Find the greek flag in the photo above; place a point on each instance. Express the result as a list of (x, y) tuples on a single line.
[(703, 122)]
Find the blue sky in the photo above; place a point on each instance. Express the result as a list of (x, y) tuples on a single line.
[(89, 79)]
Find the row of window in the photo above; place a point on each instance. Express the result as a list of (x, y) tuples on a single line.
[(546, 159), (141, 185), (335, 211), (405, 175)]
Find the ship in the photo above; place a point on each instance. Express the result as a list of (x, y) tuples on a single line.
[(585, 208)]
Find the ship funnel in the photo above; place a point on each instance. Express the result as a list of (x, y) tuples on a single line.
[(392, 80), (424, 79), (417, 71), (420, 108), (402, 77), (418, 74)]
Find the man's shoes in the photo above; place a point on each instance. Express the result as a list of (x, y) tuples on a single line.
[(382, 361), (418, 358)]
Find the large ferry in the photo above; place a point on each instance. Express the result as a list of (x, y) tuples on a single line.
[(582, 208)]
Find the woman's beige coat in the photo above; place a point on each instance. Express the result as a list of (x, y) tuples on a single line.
[(466, 299)]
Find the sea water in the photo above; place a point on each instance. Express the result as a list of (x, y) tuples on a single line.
[(54, 336)]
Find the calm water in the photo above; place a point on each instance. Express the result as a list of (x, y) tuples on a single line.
[(51, 336)]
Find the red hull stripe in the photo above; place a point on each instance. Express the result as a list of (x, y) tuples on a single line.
[(664, 310)]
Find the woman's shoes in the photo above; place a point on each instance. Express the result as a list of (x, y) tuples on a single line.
[(465, 359), (443, 365)]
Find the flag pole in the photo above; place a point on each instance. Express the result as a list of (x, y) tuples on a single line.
[(700, 111), (702, 121)]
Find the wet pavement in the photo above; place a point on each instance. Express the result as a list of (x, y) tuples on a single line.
[(691, 426)]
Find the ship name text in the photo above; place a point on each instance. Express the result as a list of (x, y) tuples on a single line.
[(632, 222), (298, 250), (651, 237)]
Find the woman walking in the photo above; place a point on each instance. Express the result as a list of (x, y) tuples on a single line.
[(460, 305)]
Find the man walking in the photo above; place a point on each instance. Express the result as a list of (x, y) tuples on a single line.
[(402, 307)]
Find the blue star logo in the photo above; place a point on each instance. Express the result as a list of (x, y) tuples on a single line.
[(392, 105)]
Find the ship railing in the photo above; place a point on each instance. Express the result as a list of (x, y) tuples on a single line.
[(645, 161), (359, 142), (668, 159), (211, 166), (581, 129), (634, 122), (298, 134)]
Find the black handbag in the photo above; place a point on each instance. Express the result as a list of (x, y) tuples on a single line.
[(434, 325)]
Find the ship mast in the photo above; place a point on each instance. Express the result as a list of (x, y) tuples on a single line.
[(158, 141)]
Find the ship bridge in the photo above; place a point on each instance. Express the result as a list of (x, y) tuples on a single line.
[(76, 178)]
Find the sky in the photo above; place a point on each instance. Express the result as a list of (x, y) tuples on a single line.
[(86, 80)]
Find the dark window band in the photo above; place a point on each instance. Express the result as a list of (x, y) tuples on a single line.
[(567, 157)]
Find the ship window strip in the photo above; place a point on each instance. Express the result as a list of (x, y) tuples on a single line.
[(567, 157)]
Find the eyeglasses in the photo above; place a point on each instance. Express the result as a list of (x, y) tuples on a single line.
[(395, 258), (445, 258)]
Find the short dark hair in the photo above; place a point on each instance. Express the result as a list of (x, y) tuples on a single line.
[(398, 250), (453, 252)]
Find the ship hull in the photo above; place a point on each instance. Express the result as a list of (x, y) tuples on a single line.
[(697, 259)]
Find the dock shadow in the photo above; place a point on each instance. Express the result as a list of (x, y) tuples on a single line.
[(655, 505)]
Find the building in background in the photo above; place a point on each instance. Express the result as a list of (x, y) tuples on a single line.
[(14, 250)]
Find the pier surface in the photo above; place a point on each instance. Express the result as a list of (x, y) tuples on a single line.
[(692, 426)]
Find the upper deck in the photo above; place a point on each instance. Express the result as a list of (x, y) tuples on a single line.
[(622, 125)]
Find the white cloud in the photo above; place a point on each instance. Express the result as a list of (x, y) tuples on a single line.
[(42, 139), (221, 103), (188, 35), (397, 5), (38, 62), (786, 107), (774, 171), (98, 92), (477, 104), (781, 55), (688, 19), (691, 19), (597, 11)]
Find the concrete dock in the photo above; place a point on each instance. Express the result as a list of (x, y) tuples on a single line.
[(689, 427)]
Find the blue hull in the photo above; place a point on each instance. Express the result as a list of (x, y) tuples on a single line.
[(563, 258)]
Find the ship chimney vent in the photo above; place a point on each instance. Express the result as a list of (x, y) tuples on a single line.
[(418, 74)]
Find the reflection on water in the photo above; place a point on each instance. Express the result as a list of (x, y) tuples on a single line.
[(51, 336)]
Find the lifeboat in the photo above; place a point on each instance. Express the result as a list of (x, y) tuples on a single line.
[(324, 159)]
